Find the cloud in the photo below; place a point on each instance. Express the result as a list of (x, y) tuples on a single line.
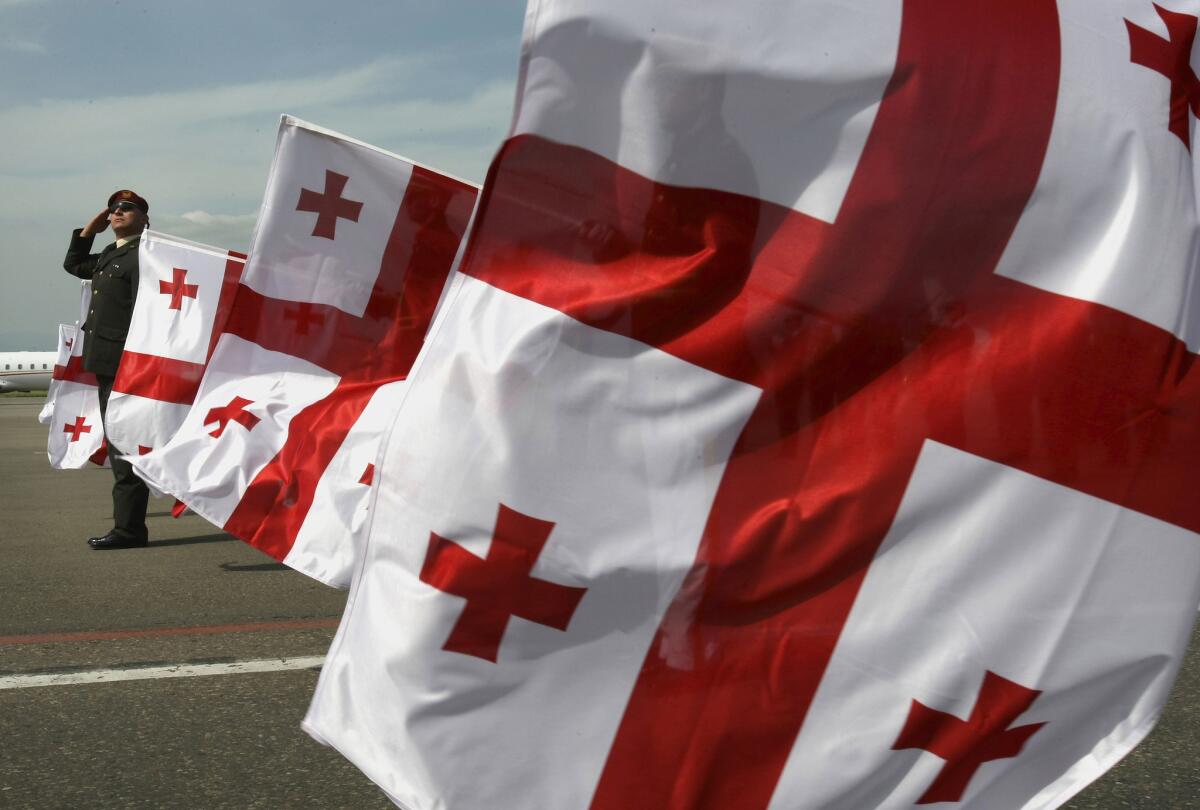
[(22, 45), (51, 128), (206, 220), (209, 149), (145, 119), (229, 231)]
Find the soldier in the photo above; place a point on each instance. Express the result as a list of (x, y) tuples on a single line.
[(114, 275)]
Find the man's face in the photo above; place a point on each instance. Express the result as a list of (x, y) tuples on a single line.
[(127, 219)]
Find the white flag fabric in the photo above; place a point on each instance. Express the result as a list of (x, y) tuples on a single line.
[(811, 424), (329, 541), (76, 432), (66, 340), (185, 290), (351, 252)]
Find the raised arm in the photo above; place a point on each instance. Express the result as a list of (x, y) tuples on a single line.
[(80, 261)]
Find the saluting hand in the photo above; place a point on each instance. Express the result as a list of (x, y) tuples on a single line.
[(97, 224)]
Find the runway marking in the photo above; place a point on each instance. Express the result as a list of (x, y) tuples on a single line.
[(162, 632), (151, 673)]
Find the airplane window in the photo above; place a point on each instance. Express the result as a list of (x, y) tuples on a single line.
[(44, 365), (19, 366), (7, 367)]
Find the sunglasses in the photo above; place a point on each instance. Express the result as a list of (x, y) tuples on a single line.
[(124, 205)]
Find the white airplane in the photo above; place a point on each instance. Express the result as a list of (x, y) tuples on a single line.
[(26, 371)]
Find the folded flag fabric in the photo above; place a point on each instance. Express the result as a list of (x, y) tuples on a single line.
[(813, 423), (66, 339), (351, 252), (76, 432)]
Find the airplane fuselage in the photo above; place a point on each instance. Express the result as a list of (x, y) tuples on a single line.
[(26, 371)]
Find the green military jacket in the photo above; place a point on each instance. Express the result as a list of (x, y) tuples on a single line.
[(114, 275)]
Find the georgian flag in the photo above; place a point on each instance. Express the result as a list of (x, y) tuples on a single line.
[(76, 432), (185, 290), (347, 263), (813, 422), (66, 340)]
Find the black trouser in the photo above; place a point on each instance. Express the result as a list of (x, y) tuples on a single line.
[(129, 492)]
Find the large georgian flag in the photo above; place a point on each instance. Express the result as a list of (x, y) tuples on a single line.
[(76, 432), (349, 258), (813, 423), (184, 295)]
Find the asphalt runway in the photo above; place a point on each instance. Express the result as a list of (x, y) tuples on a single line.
[(196, 596)]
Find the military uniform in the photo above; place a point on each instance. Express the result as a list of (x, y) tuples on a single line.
[(114, 276)]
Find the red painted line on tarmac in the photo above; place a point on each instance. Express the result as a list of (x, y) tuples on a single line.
[(163, 632)]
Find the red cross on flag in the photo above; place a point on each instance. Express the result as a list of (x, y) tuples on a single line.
[(830, 369), (348, 260), (72, 410), (168, 346)]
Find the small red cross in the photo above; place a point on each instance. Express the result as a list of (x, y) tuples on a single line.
[(176, 288), (498, 587), (303, 315), (368, 475), (1172, 58), (76, 430), (967, 744), (329, 205), (235, 411)]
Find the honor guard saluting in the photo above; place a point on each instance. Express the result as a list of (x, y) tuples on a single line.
[(114, 275)]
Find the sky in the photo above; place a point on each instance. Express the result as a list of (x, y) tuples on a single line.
[(181, 101)]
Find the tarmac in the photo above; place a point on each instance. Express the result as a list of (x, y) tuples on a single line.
[(198, 598)]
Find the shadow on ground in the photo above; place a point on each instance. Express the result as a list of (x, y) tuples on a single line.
[(236, 567), (220, 537)]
